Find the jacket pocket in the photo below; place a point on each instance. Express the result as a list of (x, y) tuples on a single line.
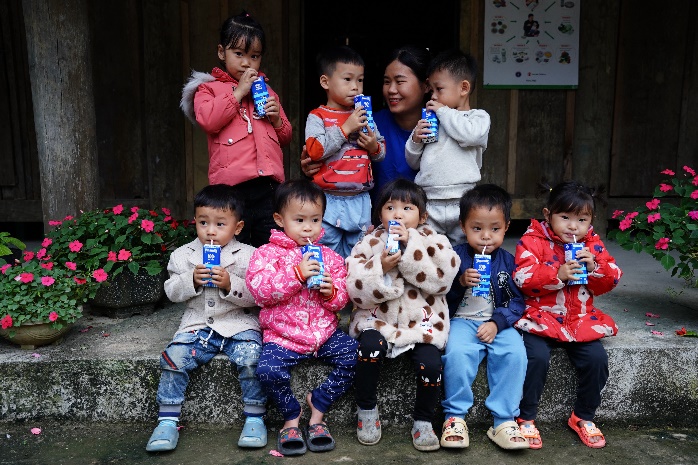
[(221, 153)]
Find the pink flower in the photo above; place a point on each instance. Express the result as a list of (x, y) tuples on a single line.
[(100, 275), (166, 211), (79, 280), (53, 316), (669, 172), (631, 215), (26, 277), (47, 241), (166, 219), (625, 224), (694, 194), (75, 246), (148, 225), (665, 187), (695, 181), (28, 255), (47, 280), (662, 244), (55, 223), (4, 268), (132, 218), (651, 218), (124, 254), (111, 257), (653, 204), (47, 266), (68, 218), (689, 170), (617, 213), (692, 215), (41, 254), (6, 322), (118, 209), (71, 266), (134, 209)]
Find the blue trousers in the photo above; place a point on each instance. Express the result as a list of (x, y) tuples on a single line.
[(588, 358), (190, 350), (345, 221), (274, 372), (506, 369)]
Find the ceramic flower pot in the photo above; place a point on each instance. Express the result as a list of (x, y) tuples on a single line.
[(32, 335), (128, 294)]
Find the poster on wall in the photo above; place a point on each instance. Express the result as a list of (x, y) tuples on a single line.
[(531, 44)]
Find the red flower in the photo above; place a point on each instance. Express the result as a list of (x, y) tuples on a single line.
[(665, 187), (174, 224), (71, 266), (693, 215), (26, 277), (118, 209), (100, 275), (153, 213), (55, 223), (694, 194), (662, 244), (652, 217), (132, 218), (47, 265), (75, 246), (6, 322), (625, 224), (166, 219), (617, 213), (4, 268), (679, 332), (47, 241), (28, 255), (147, 225), (53, 316), (68, 218), (166, 211), (653, 204), (669, 172), (47, 280), (111, 257), (124, 254), (79, 280), (689, 170)]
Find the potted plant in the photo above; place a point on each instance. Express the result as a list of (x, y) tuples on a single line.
[(666, 227), (123, 253), (39, 299)]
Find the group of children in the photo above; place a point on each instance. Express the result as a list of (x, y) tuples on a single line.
[(410, 289)]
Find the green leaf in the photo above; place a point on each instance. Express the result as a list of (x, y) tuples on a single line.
[(667, 262), (134, 267), (146, 238), (4, 250)]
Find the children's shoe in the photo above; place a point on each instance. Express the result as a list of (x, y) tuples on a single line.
[(368, 426), (505, 434), (423, 436), (164, 437), (455, 429), (254, 433), (529, 431), (587, 431)]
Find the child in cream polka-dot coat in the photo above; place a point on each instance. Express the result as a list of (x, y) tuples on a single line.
[(400, 306)]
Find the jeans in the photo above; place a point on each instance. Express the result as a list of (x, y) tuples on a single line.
[(345, 221), (190, 350)]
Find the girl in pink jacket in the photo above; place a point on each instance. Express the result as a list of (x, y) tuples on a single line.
[(299, 322), (244, 147)]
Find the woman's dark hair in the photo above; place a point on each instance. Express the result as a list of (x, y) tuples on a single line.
[(415, 58), (403, 190), (220, 197), (301, 189), (574, 197), (242, 29)]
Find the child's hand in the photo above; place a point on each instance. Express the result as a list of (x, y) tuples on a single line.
[(221, 278), (368, 141), (309, 167), (326, 286), (356, 121), (201, 275), (245, 84), (433, 105), (272, 109), (587, 258), (309, 266), (486, 332), (470, 278), (421, 131), (568, 270), (388, 262)]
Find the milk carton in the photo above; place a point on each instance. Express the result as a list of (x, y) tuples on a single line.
[(482, 265), (212, 257), (260, 94), (392, 245), (364, 101), (314, 282), (430, 116), (571, 254)]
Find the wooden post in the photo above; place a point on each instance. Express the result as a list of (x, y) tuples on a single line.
[(60, 71)]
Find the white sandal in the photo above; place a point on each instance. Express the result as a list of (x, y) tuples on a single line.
[(504, 433), (455, 427)]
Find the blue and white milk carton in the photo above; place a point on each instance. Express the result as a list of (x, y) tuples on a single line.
[(482, 265), (392, 245), (260, 94), (430, 116), (364, 101), (212, 257), (314, 282), (571, 254)]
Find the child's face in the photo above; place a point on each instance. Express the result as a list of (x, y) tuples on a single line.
[(237, 60), (448, 91), (569, 226), (346, 81), (301, 221), (403, 92), (219, 226), (406, 213), (485, 228)]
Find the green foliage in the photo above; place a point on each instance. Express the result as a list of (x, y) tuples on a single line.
[(666, 227), (6, 243)]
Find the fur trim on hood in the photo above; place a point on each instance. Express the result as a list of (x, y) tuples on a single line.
[(187, 102)]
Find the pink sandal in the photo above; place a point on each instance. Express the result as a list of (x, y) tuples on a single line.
[(587, 431)]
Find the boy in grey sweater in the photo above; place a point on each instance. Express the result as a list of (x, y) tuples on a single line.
[(220, 317), (450, 166)]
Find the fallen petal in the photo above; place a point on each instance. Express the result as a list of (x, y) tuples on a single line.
[(35, 355), (651, 315), (647, 323), (275, 453), (657, 333), (625, 309), (36, 430)]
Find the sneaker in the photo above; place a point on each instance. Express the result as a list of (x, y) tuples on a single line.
[(368, 426), (423, 436)]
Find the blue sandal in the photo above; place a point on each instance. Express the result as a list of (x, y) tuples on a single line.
[(254, 433), (164, 437)]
